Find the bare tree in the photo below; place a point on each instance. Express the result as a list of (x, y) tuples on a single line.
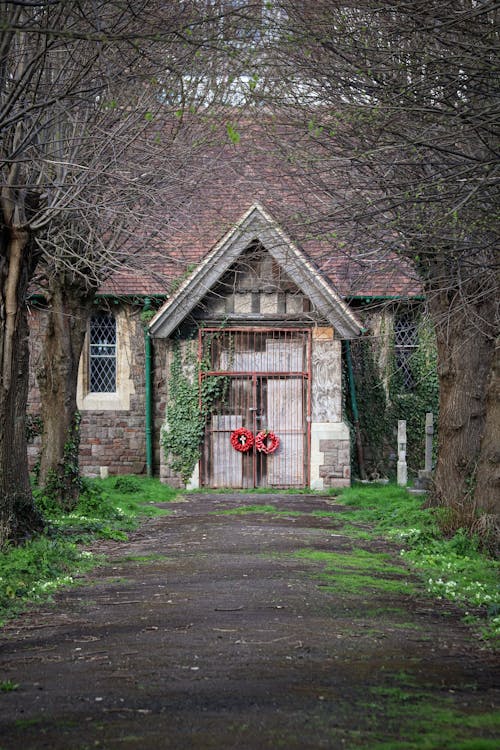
[(80, 83), (399, 101), (34, 91)]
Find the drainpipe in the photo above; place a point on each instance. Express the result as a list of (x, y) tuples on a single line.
[(355, 413), (148, 393)]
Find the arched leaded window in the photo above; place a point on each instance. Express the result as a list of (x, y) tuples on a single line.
[(102, 354)]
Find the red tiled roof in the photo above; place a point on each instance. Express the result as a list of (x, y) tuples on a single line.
[(230, 179)]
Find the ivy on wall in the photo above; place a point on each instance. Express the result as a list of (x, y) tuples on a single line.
[(412, 404), (191, 401), (373, 407), (383, 399), (182, 438)]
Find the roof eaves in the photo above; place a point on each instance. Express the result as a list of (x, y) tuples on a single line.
[(195, 279), (256, 223)]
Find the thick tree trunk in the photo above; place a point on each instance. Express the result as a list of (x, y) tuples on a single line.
[(465, 358), (57, 375), (18, 515), (487, 491)]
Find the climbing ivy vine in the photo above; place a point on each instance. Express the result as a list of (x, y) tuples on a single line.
[(383, 399), (62, 488), (412, 404), (374, 415), (192, 398)]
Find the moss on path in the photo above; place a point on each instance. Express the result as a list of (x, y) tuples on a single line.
[(273, 628)]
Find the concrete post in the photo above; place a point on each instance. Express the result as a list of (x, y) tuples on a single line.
[(402, 468)]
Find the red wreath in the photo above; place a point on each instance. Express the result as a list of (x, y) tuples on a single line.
[(266, 441), (242, 439)]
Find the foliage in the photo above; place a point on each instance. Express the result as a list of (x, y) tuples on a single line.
[(147, 315), (192, 396), (179, 280), (412, 404), (34, 426), (34, 571), (380, 407), (107, 511), (149, 310), (452, 568), (182, 439), (375, 420), (7, 686), (127, 484), (62, 487)]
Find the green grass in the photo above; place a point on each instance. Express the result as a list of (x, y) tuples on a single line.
[(386, 508), (426, 722), (357, 571), (454, 569), (32, 572), (449, 568), (8, 686), (109, 509), (244, 510), (254, 491)]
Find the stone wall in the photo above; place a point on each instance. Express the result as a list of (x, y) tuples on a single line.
[(113, 438)]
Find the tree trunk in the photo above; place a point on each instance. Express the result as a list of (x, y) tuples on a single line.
[(18, 515), (57, 376), (465, 357), (487, 492)]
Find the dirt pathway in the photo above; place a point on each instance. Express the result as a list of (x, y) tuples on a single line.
[(224, 639)]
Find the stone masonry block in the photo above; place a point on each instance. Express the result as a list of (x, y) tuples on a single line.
[(329, 445), (343, 457)]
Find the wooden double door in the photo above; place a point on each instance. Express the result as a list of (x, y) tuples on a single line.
[(266, 397)]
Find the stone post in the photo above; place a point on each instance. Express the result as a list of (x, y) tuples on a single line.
[(429, 432), (425, 475), (402, 468)]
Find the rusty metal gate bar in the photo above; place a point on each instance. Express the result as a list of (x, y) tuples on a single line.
[(261, 381)]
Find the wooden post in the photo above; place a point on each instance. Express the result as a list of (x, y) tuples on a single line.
[(402, 468)]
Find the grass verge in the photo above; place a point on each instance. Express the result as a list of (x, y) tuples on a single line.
[(107, 509), (450, 568)]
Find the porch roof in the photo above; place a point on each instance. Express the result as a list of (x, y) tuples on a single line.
[(256, 224)]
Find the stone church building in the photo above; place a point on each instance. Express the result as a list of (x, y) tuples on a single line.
[(257, 309)]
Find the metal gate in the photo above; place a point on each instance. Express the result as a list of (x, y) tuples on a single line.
[(258, 379)]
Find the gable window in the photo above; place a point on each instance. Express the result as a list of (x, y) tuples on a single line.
[(405, 343), (102, 354)]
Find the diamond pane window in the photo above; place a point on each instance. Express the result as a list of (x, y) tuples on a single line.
[(102, 359), (405, 343)]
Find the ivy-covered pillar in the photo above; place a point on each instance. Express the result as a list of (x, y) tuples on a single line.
[(181, 427)]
